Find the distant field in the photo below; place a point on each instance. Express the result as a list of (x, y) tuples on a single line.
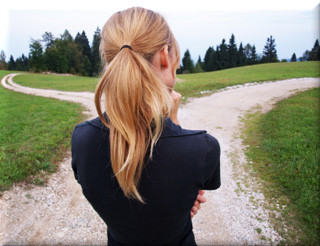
[(191, 85), (57, 82), (208, 82)]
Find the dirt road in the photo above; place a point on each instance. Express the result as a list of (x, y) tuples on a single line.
[(58, 213)]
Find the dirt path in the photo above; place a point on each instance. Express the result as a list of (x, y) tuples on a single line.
[(58, 213)]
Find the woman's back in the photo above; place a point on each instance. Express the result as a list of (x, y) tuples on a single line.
[(183, 162), (140, 171)]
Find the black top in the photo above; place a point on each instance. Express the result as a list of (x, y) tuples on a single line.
[(183, 163)]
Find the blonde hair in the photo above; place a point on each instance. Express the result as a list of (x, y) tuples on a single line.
[(136, 98)]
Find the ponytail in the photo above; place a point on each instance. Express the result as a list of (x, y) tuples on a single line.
[(136, 99)]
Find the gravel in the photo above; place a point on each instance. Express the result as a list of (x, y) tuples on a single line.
[(58, 214)]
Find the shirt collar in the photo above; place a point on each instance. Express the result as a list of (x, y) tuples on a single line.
[(169, 130)]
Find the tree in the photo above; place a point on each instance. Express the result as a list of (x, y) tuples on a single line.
[(242, 59), (95, 56), (56, 57), (83, 43), (293, 57), (232, 52), (3, 63), (254, 57), (48, 39), (208, 60), (269, 51), (187, 63), (66, 36), (22, 63), (314, 54), (248, 51), (36, 56), (198, 68), (222, 55), (250, 54), (305, 56), (11, 64)]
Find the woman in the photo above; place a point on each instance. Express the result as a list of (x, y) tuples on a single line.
[(137, 167)]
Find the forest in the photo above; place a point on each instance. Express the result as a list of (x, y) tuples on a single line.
[(66, 54)]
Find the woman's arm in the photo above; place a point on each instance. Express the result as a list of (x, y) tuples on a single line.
[(197, 204)]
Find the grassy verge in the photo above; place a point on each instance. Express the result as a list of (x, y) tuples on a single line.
[(35, 132), (195, 85), (284, 151), (192, 85)]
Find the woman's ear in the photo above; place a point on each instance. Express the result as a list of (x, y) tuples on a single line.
[(164, 57)]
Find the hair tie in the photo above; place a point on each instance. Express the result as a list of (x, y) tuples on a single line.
[(126, 46)]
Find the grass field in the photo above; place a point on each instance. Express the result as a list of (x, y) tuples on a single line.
[(284, 149), (191, 85), (208, 82), (57, 82), (35, 133)]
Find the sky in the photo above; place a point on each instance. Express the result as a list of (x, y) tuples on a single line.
[(197, 25)]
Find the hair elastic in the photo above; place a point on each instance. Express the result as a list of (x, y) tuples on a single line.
[(126, 46)]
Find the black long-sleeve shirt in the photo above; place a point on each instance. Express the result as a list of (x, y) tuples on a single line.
[(183, 163)]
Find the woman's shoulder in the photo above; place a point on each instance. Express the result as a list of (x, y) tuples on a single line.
[(89, 130), (173, 130)]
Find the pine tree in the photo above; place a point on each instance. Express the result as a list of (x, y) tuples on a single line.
[(83, 43), (269, 51), (242, 59), (232, 53), (95, 57), (11, 63), (208, 60), (314, 54), (293, 57), (187, 63), (198, 68), (222, 55), (22, 63), (254, 56)]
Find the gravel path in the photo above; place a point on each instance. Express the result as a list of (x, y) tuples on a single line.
[(58, 213)]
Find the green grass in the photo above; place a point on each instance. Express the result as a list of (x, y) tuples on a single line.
[(192, 84), (284, 149), (35, 133), (57, 82)]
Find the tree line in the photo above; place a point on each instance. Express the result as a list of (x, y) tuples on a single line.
[(228, 55), (74, 55), (60, 55)]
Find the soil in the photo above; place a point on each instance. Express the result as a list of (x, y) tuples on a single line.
[(58, 214)]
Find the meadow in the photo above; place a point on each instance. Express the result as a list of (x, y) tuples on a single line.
[(35, 133), (189, 85), (284, 152)]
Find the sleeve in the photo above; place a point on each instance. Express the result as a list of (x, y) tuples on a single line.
[(211, 176), (74, 153)]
